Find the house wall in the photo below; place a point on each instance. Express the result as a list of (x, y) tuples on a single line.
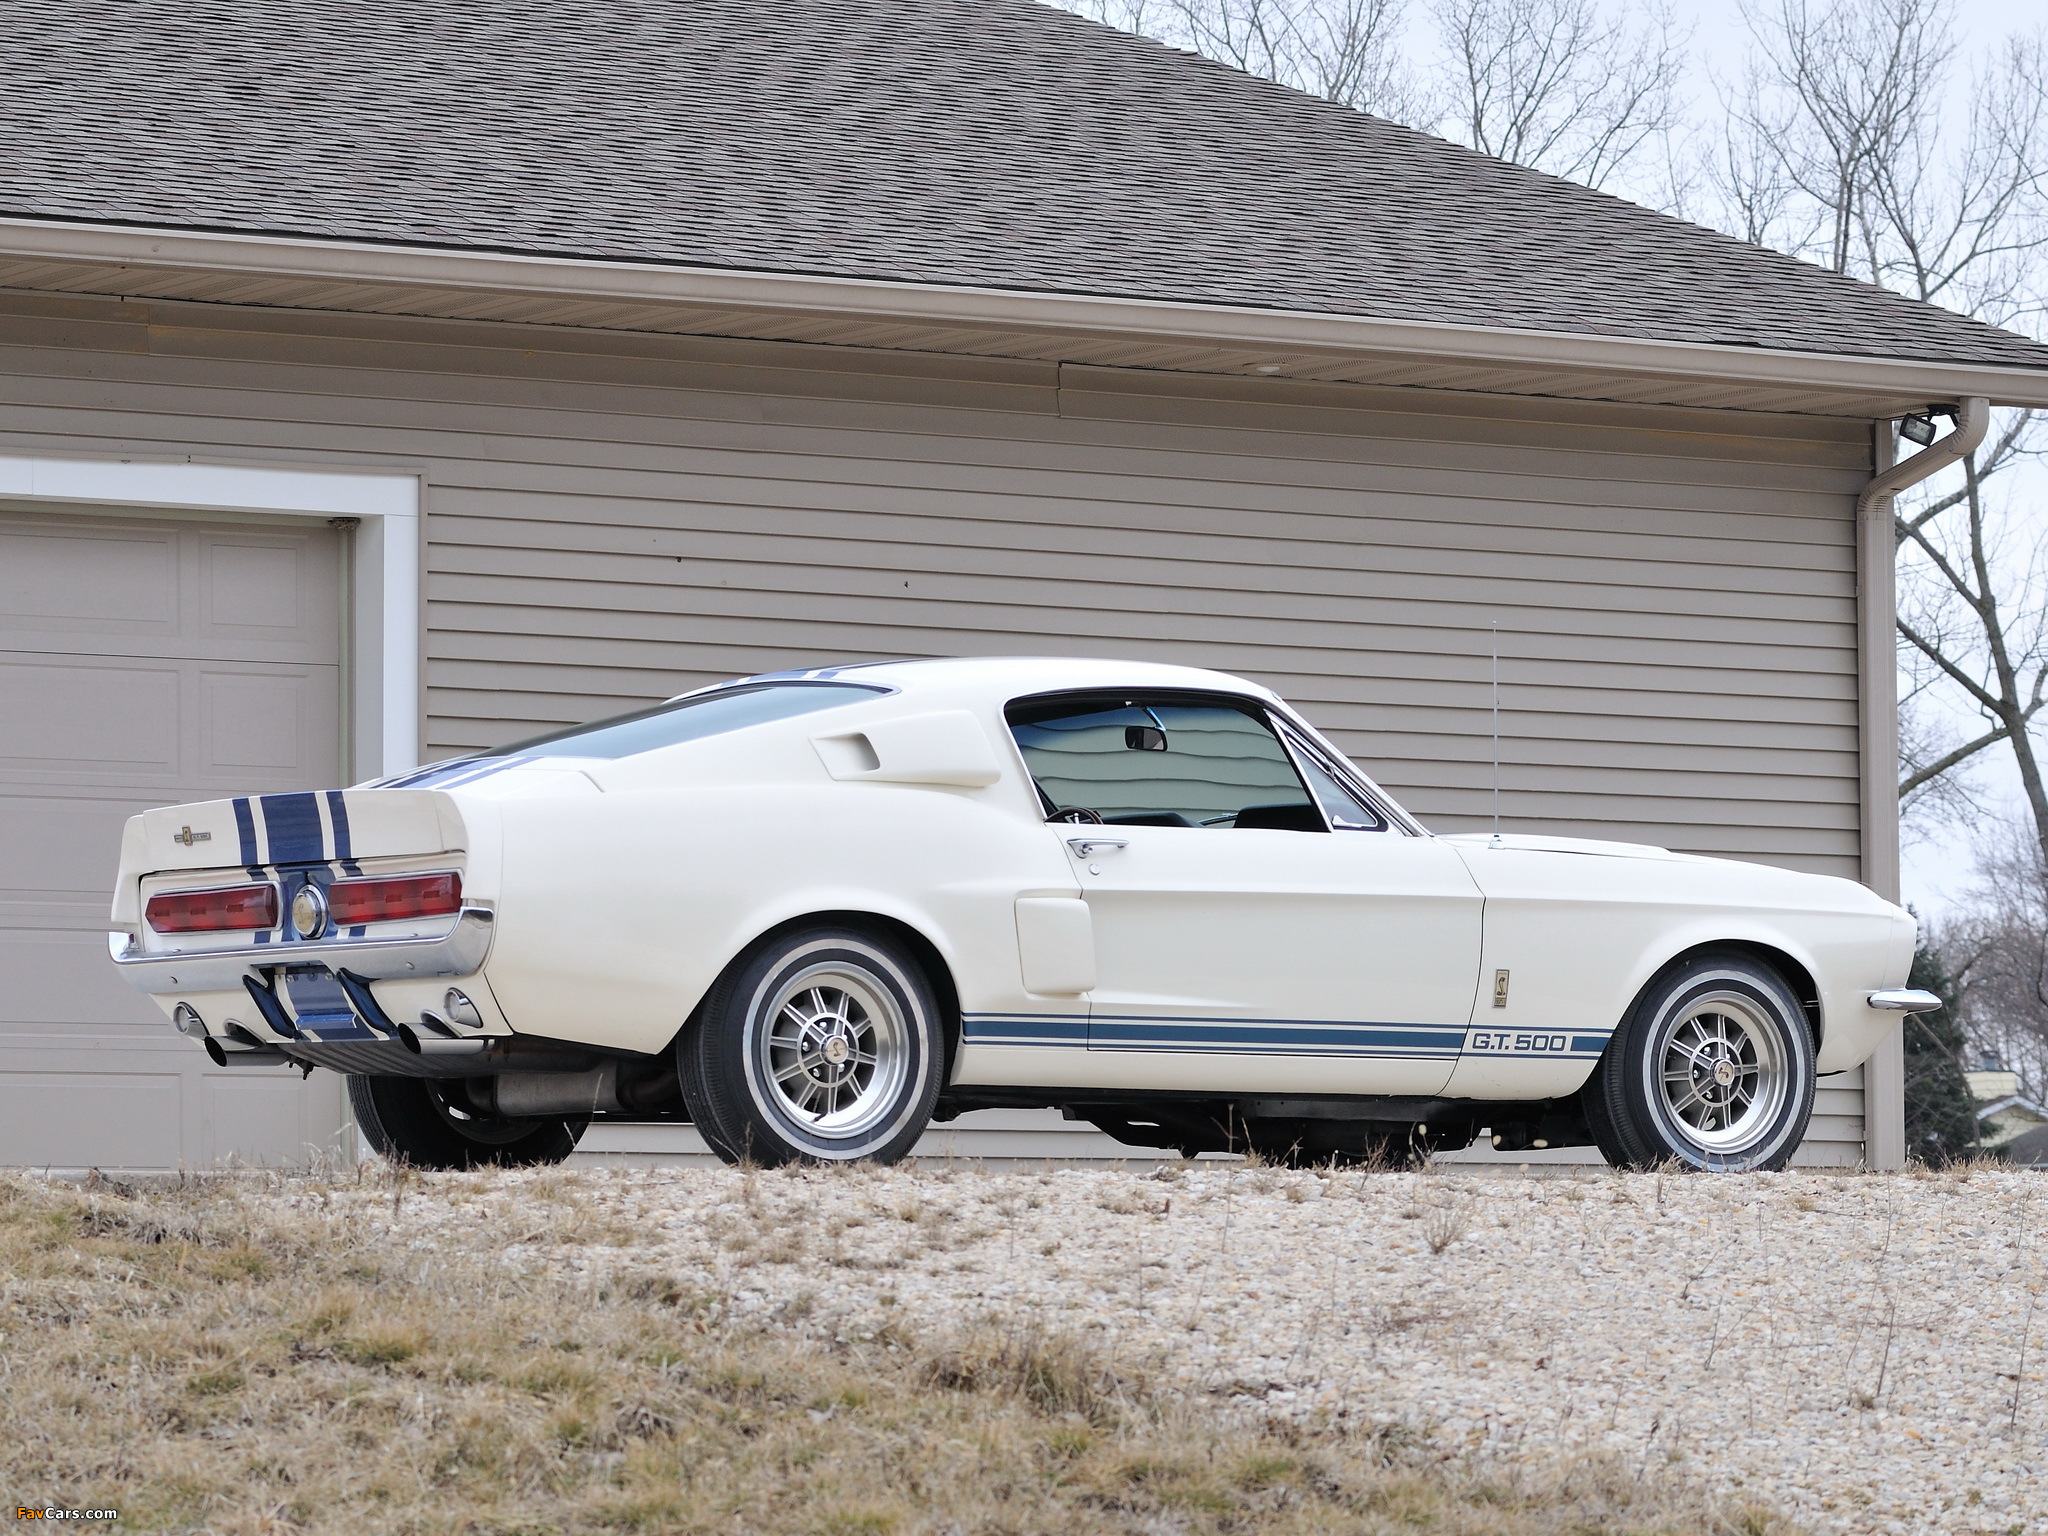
[(613, 519)]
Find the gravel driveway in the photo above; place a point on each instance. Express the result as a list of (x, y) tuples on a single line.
[(1863, 1352)]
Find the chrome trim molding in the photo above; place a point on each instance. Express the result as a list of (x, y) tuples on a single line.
[(1905, 1001), (459, 952)]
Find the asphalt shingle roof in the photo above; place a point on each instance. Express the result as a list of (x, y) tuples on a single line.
[(996, 143)]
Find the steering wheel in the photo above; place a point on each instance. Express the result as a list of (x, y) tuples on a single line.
[(1077, 815)]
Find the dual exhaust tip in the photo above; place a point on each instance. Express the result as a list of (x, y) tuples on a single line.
[(512, 1094), (440, 1038)]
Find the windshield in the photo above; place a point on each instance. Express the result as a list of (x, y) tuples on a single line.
[(689, 719)]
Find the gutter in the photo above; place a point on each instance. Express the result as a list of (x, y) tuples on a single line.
[(271, 258), (1973, 416)]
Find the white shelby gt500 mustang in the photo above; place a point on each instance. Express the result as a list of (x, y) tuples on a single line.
[(810, 912)]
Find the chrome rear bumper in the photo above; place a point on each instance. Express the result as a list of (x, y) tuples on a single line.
[(459, 952)]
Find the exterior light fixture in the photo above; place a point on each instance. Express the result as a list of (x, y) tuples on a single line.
[(1918, 429)]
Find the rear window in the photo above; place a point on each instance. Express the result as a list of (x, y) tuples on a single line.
[(690, 719)]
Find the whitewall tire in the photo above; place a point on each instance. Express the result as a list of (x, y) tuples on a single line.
[(820, 1045), (1713, 1068)]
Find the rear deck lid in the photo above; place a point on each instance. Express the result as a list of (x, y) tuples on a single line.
[(335, 826)]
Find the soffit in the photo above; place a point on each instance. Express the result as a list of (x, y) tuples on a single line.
[(1215, 340)]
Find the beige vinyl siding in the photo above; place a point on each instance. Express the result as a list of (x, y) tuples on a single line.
[(613, 519)]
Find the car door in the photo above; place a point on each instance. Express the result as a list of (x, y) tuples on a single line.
[(1249, 935)]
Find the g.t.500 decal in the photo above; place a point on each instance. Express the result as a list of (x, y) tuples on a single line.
[(1533, 1042), (1515, 1040)]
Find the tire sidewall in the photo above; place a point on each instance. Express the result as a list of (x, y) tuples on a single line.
[(1652, 1119), (749, 1121), (402, 1121)]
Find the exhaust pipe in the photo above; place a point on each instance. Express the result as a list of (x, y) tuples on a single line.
[(434, 1045), (261, 1056), (556, 1093)]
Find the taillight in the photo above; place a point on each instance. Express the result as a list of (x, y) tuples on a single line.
[(233, 906), (351, 902)]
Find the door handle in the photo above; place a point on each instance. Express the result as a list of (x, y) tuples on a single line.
[(1088, 847)]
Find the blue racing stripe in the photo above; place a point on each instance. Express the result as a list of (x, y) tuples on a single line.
[(245, 828), (455, 770), (1024, 1028), (293, 825), (337, 813), (1199, 1034), (319, 1004), (1195, 1034)]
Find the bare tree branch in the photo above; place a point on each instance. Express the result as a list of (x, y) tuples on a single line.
[(1558, 84), (1838, 147), (2010, 446), (1347, 51), (1961, 678), (1949, 760), (1555, 84)]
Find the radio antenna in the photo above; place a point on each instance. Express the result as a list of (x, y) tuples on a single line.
[(1496, 733)]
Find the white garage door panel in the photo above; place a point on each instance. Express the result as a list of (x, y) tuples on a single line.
[(143, 664), (267, 1117), (60, 980), (131, 732), (103, 1119), (110, 587), (265, 726), (94, 586), (61, 852), (185, 728)]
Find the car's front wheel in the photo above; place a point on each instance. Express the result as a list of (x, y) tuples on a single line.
[(1713, 1067), (429, 1123), (823, 1044)]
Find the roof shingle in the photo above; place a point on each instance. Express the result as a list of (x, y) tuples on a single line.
[(996, 143)]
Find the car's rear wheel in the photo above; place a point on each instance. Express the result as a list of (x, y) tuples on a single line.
[(820, 1045), (428, 1123), (1713, 1068)]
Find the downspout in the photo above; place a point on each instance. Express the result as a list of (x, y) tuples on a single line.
[(1973, 416), (1884, 1076)]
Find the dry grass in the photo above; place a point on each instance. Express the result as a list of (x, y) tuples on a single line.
[(201, 1360)]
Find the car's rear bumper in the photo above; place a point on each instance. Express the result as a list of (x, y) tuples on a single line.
[(459, 952)]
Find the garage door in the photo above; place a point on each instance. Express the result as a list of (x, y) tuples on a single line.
[(144, 663)]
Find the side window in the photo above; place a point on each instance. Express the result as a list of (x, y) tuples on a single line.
[(1161, 762), (1347, 812)]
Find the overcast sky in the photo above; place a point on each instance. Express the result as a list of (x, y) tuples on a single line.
[(1938, 861)]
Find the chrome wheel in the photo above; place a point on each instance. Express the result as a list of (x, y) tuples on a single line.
[(819, 1044), (1712, 1068), (835, 1051), (1722, 1074)]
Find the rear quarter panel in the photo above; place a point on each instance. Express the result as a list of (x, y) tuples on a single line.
[(617, 911), (1581, 935)]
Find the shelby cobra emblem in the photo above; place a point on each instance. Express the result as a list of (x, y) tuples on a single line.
[(811, 912)]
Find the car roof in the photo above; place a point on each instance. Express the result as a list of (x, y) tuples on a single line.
[(1014, 676)]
